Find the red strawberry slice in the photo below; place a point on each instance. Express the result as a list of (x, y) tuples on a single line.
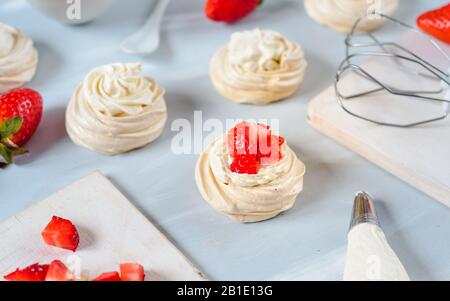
[(249, 144), (264, 140), (238, 139), (108, 276), (275, 153), (436, 23), (61, 233), (245, 164), (58, 271), (132, 272), (247, 138), (34, 272)]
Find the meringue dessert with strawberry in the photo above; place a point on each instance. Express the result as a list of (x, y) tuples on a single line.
[(116, 109), (18, 58), (249, 174), (341, 15), (258, 67)]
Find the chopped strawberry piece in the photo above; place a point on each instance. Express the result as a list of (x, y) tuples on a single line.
[(249, 144), (264, 142), (275, 153), (247, 138), (58, 271), (245, 142), (132, 272), (109, 276), (245, 164), (61, 233), (34, 272), (231, 142)]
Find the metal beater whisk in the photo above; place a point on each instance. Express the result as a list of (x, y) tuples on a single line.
[(400, 56)]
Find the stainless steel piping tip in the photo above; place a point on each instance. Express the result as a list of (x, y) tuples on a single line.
[(363, 210)]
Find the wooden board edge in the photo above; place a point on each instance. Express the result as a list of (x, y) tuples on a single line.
[(430, 188), (150, 224), (16, 217)]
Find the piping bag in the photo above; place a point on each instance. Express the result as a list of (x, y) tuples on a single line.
[(369, 255)]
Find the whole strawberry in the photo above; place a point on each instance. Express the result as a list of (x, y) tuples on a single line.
[(229, 10), (436, 23), (20, 115)]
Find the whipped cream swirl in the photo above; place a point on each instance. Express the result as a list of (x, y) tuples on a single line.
[(258, 66), (116, 109), (244, 197), (18, 58), (342, 14)]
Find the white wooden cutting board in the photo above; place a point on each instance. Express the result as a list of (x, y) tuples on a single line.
[(111, 231), (420, 155)]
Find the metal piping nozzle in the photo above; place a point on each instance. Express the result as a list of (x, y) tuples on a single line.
[(363, 210)]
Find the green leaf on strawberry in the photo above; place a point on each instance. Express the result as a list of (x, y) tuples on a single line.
[(8, 150), (10, 127)]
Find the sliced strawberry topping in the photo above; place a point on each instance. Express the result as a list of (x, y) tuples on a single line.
[(132, 272), (249, 143), (281, 140), (61, 233), (248, 164), (248, 138), (275, 153), (58, 271), (108, 276), (34, 272)]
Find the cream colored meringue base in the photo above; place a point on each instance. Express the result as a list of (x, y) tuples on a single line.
[(111, 135), (257, 89), (248, 198), (19, 65), (10, 82), (325, 13)]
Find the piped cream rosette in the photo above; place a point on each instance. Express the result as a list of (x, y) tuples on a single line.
[(18, 58), (248, 197), (258, 67), (116, 109), (341, 15)]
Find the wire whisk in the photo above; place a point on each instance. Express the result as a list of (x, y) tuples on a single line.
[(402, 59)]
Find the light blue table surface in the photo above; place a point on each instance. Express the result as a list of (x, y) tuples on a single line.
[(307, 242)]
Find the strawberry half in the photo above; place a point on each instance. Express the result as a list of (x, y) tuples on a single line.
[(57, 271), (436, 23), (251, 145), (34, 272), (20, 115), (132, 272), (109, 276), (229, 10), (61, 233)]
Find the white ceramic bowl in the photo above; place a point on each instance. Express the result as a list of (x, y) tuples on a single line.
[(72, 11)]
